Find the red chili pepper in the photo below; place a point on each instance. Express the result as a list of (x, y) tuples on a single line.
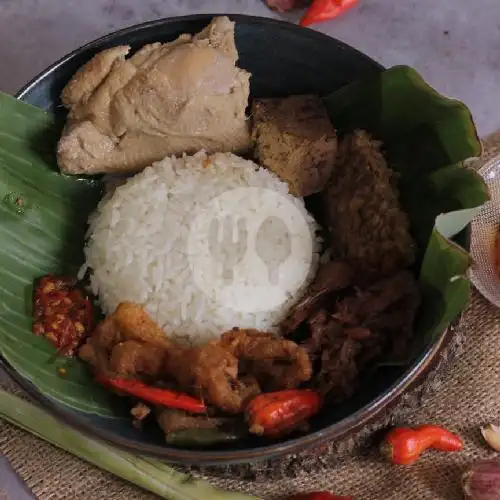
[(403, 445), (318, 495), (274, 414), (62, 313), (155, 395), (325, 10)]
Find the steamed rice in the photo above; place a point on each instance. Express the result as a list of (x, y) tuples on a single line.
[(147, 243)]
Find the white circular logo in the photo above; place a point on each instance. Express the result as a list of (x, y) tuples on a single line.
[(250, 249)]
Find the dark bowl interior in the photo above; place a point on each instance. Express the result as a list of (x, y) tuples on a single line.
[(283, 59)]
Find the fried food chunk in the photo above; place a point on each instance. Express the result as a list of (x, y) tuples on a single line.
[(129, 344), (132, 358), (213, 370), (367, 225), (126, 343), (281, 363), (295, 139), (134, 323), (209, 370)]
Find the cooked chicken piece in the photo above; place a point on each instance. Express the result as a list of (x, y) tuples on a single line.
[(171, 98), (283, 364), (176, 420), (295, 139), (331, 277)]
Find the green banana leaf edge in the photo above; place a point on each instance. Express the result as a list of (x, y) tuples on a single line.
[(426, 138), (43, 214)]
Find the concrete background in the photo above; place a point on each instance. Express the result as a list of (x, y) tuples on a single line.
[(455, 44)]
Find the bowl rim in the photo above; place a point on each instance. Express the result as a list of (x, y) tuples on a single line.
[(23, 91), (332, 432)]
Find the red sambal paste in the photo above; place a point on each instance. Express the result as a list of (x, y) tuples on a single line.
[(63, 313)]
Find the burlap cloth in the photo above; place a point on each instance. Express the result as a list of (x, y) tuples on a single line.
[(461, 393)]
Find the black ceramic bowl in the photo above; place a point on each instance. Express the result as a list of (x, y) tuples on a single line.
[(283, 59)]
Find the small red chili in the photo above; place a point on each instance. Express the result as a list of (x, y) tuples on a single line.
[(319, 495), (155, 395), (274, 414), (404, 445), (325, 10), (62, 313)]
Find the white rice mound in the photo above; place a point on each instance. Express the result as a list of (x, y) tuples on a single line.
[(139, 247)]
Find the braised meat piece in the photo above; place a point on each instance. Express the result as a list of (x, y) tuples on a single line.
[(345, 339), (171, 420), (367, 226), (374, 307), (322, 327), (295, 139), (330, 278), (387, 307)]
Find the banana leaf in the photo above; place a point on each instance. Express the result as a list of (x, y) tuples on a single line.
[(426, 139), (42, 223), (43, 213)]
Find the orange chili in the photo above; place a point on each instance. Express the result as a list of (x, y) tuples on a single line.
[(318, 495), (325, 10), (155, 395), (274, 414), (63, 313), (403, 445)]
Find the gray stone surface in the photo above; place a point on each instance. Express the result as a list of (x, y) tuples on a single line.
[(454, 44)]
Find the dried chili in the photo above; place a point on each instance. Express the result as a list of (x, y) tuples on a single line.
[(325, 10), (404, 445), (155, 395), (63, 313), (274, 414)]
